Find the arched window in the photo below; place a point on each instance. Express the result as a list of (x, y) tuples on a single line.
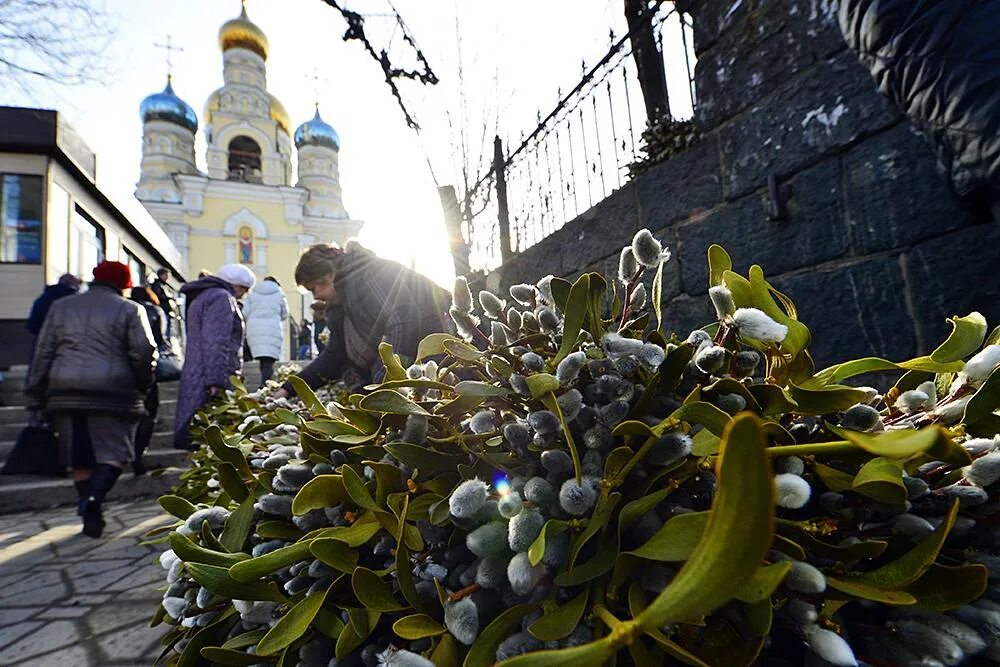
[(244, 160)]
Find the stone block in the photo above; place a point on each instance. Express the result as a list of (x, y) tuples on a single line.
[(816, 113), (683, 314), (894, 195), (770, 43), (679, 187), (954, 274), (814, 231), (854, 310)]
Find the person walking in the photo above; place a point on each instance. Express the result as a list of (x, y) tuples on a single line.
[(318, 309), (145, 297), (369, 300), (266, 310), (215, 331), (93, 364), (305, 340), (67, 285), (168, 300)]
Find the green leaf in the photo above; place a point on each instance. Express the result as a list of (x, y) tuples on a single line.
[(718, 263), (560, 292), (189, 552), (550, 401), (835, 480), (333, 427), (599, 520), (320, 492), (911, 566), (372, 592), (447, 653), (292, 625), (354, 634), (602, 562), (561, 621), (233, 455), (595, 308), (462, 350), (739, 531), (656, 294), (355, 535), (476, 388), (774, 401), (459, 407), (234, 535), (246, 639), (391, 402), (551, 528), (418, 383), (764, 582), (867, 591), (357, 490), (967, 335), (217, 580), (881, 479), (307, 396), (676, 540), (177, 506), (904, 443), (594, 653), (830, 398), (335, 553), (542, 383), (255, 568), (849, 369), (228, 656), (631, 511), (433, 345), (423, 457), (575, 313), (393, 368), (943, 588), (984, 401), (483, 651), (798, 336), (417, 626), (676, 650), (231, 482), (213, 633), (699, 412)]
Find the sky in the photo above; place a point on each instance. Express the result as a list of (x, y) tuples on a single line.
[(514, 55)]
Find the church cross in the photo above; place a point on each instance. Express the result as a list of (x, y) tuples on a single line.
[(169, 48)]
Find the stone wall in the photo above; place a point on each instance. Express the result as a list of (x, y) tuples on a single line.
[(875, 250)]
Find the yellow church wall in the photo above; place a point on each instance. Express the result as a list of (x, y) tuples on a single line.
[(282, 247)]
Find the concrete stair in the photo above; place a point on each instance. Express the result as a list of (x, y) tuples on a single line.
[(20, 493)]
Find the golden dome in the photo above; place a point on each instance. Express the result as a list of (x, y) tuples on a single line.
[(280, 115), (242, 33)]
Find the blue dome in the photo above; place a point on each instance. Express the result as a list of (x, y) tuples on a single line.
[(167, 106), (316, 132)]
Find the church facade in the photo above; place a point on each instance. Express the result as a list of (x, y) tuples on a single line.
[(245, 208)]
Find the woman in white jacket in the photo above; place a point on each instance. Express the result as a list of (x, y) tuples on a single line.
[(266, 310)]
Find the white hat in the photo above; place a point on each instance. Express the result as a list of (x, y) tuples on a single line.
[(237, 274)]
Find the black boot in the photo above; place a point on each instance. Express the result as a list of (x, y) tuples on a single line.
[(101, 482), (82, 493)]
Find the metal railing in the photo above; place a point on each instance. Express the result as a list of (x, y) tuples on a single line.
[(579, 153)]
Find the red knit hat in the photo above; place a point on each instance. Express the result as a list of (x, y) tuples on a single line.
[(115, 273)]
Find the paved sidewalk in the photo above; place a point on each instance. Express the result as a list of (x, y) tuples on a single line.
[(68, 600)]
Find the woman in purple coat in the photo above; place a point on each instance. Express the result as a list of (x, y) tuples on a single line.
[(214, 351)]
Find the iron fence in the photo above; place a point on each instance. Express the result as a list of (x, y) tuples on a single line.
[(578, 154)]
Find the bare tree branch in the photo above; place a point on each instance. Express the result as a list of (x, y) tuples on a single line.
[(58, 41)]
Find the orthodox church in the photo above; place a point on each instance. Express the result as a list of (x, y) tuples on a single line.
[(245, 209)]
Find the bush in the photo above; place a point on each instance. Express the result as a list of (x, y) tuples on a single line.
[(575, 487)]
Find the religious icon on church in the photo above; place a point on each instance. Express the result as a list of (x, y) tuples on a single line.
[(246, 245)]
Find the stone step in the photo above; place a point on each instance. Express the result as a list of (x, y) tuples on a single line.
[(161, 440), (165, 457), (20, 494)]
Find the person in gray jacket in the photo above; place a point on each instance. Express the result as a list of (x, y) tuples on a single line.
[(93, 364)]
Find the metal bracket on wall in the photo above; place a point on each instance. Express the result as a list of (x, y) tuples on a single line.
[(778, 198)]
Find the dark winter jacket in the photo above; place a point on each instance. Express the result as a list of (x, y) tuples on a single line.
[(95, 352), (214, 347), (939, 62), (165, 294), (40, 308), (380, 300)]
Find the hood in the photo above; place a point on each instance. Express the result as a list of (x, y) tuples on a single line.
[(192, 289), (266, 287), (60, 290)]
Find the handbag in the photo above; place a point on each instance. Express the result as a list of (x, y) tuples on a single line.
[(36, 452), (168, 368)]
